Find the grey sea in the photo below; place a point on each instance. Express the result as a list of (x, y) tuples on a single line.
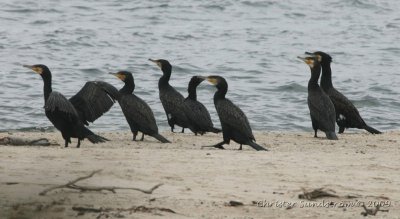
[(253, 44)]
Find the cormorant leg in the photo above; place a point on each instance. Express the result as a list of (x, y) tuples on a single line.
[(315, 133), (183, 130), (134, 136), (172, 128), (79, 143), (341, 129), (219, 145), (240, 148), (142, 136), (66, 143), (195, 133)]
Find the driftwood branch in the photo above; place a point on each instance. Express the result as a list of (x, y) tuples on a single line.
[(72, 185), (141, 208)]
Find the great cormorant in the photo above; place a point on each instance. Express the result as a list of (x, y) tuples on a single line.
[(347, 115), (171, 99), (235, 125), (322, 111), (138, 113), (197, 114), (69, 116)]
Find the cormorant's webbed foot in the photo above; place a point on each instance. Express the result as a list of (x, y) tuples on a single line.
[(240, 148), (183, 130), (66, 143), (315, 134), (79, 143), (219, 146), (341, 129)]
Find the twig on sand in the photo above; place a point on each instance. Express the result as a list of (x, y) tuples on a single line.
[(371, 211), (316, 193), (141, 208), (72, 185)]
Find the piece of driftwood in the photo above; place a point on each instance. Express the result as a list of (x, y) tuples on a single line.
[(17, 141), (133, 209), (72, 185), (317, 193), (371, 211)]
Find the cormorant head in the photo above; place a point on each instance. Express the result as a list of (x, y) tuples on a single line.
[(218, 81), (40, 69), (123, 75), (321, 56), (311, 61), (195, 81), (163, 64)]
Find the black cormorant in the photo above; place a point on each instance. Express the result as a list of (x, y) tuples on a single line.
[(69, 116), (235, 125), (138, 114), (347, 115), (197, 114), (171, 99), (322, 111)]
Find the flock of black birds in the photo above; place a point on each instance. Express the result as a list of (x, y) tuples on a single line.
[(71, 116)]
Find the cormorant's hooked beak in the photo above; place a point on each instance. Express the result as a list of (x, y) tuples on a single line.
[(156, 61), (212, 80), (118, 75), (319, 58), (37, 70), (308, 60)]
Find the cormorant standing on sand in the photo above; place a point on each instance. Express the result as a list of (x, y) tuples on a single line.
[(69, 116), (138, 114), (235, 125), (197, 114), (171, 99), (347, 115), (322, 111)]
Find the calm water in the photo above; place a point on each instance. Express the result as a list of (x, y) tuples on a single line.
[(253, 44)]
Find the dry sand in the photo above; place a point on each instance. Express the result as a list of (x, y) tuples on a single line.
[(199, 183)]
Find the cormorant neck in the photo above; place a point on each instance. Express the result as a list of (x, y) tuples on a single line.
[(166, 75), (129, 86), (315, 73), (326, 78), (221, 92), (192, 92), (47, 86)]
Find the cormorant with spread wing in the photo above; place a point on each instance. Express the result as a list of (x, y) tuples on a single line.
[(70, 116)]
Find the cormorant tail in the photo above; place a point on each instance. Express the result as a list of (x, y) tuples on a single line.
[(372, 130), (331, 135), (161, 138), (215, 130), (256, 146), (93, 137)]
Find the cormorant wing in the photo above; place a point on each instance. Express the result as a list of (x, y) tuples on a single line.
[(322, 109), (172, 102), (135, 109), (198, 113), (57, 101), (94, 99), (233, 116), (345, 108)]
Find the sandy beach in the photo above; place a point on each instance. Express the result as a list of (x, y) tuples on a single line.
[(203, 183)]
